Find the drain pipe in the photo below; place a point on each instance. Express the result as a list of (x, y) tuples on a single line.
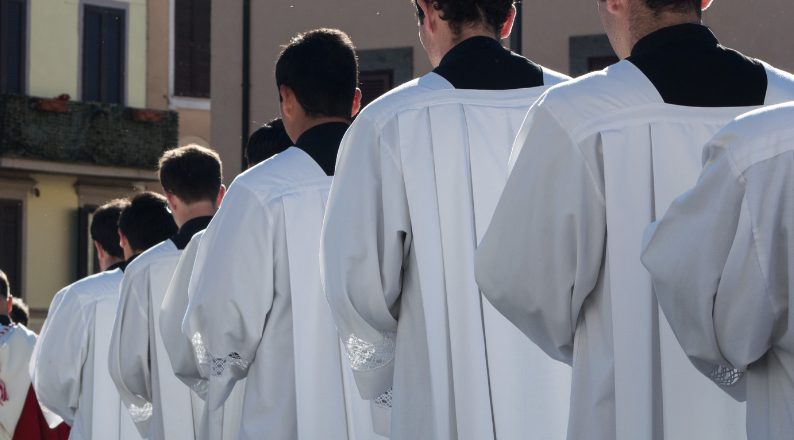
[(246, 84)]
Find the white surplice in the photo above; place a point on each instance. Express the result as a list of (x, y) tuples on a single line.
[(69, 365), (222, 423), (162, 407), (419, 174), (16, 347), (257, 308), (596, 161), (722, 261)]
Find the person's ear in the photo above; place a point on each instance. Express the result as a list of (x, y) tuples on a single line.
[(356, 103), (616, 7), (10, 304), (507, 27), (123, 243), (704, 4), (430, 15), (100, 251), (288, 102), (173, 201), (221, 194)]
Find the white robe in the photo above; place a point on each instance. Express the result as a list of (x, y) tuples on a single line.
[(16, 347), (223, 423), (419, 174), (69, 364), (162, 407), (722, 259), (596, 161), (257, 309)]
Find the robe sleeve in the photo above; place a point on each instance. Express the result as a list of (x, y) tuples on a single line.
[(172, 313), (542, 253), (703, 259), (60, 355), (366, 237), (129, 360), (231, 292)]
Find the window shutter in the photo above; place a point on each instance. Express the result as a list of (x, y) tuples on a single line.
[(13, 25), (373, 84), (11, 242), (103, 55), (192, 48)]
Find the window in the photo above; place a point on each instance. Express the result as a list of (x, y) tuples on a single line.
[(192, 48), (375, 83), (590, 53), (12, 46), (104, 43), (11, 242)]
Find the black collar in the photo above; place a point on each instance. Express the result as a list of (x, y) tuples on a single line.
[(688, 67), (321, 142), (688, 34), (189, 229), (481, 63), (120, 265), (5, 321)]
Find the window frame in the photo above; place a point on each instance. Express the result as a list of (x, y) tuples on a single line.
[(176, 102), (17, 188), (113, 4)]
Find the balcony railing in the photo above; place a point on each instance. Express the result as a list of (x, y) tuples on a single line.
[(83, 132)]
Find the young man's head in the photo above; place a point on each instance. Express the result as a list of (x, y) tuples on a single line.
[(192, 178), (445, 23), (317, 79), (5, 295), (144, 223), (627, 21), (20, 312), (266, 142), (105, 233)]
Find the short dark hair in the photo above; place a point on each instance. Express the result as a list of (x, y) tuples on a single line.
[(20, 313), (458, 13), (659, 6), (5, 287), (266, 142), (193, 173), (321, 68), (105, 226), (146, 221)]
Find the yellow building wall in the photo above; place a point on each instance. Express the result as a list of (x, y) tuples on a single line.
[(50, 239), (54, 50)]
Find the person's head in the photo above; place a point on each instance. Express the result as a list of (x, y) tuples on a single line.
[(192, 179), (144, 223), (627, 21), (445, 23), (266, 142), (317, 80), (20, 313), (5, 295), (105, 233)]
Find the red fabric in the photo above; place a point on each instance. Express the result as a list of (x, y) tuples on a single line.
[(33, 426)]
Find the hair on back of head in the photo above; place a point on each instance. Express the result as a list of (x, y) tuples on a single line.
[(105, 226), (192, 173), (20, 312), (5, 286), (321, 68), (146, 221), (266, 142), (660, 6), (460, 13)]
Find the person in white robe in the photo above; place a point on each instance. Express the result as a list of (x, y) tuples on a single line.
[(721, 263), (256, 305), (162, 406), (419, 174), (69, 364), (596, 161)]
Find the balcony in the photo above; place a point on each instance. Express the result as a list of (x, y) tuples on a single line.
[(84, 133)]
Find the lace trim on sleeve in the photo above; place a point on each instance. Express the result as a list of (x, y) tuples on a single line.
[(366, 356), (216, 366), (140, 413), (384, 400), (726, 377)]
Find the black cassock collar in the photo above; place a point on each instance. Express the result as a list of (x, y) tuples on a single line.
[(188, 230), (321, 143), (689, 67)]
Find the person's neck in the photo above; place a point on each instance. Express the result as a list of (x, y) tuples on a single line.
[(643, 27), (310, 123), (194, 210), (106, 263), (465, 33)]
